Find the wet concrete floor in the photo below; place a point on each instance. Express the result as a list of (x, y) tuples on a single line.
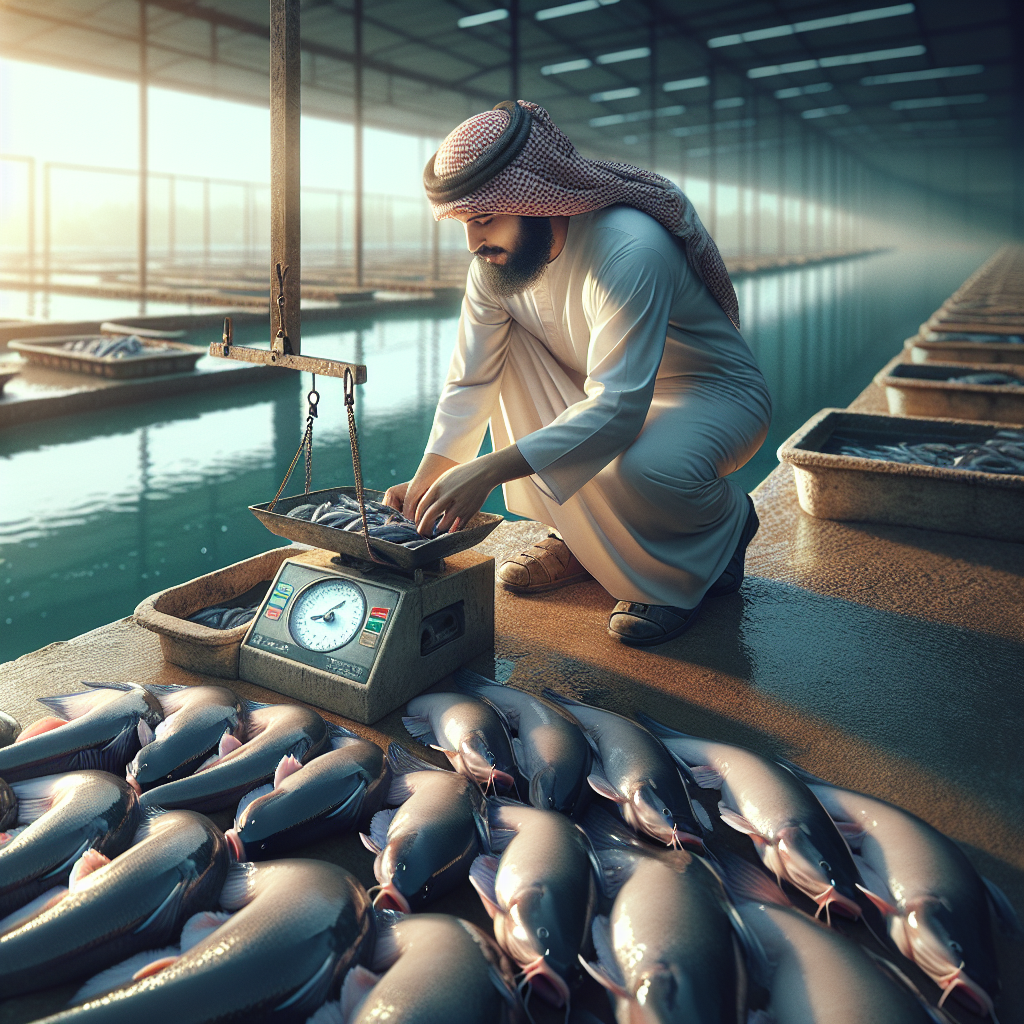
[(886, 659)]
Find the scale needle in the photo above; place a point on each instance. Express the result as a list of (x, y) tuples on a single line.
[(328, 616)]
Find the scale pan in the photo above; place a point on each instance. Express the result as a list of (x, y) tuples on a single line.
[(352, 544)]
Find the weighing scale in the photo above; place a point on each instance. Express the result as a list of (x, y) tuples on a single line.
[(358, 625)]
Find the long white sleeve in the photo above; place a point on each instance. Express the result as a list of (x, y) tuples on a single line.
[(627, 300)]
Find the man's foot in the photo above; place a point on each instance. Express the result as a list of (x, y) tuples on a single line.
[(546, 565), (732, 576), (644, 625)]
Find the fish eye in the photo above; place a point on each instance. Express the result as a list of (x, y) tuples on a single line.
[(824, 865), (542, 932), (666, 812), (955, 947), (400, 866)]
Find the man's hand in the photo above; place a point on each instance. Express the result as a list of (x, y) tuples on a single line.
[(458, 494), (405, 497)]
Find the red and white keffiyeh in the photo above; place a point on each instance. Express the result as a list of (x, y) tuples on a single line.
[(549, 178)]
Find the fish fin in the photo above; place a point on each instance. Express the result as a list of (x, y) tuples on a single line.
[(35, 797), (33, 908), (595, 862), (369, 844), (149, 818), (606, 971), (701, 814), (852, 833), (746, 884), (874, 887), (119, 751), (337, 733), (351, 803), (482, 874), (884, 905), (90, 861), (70, 706), (146, 733), (1009, 922), (357, 986), (228, 742), (405, 763), (312, 994), (239, 886), (659, 729), (466, 680), (155, 966), (386, 950), (40, 726), (501, 824), (706, 776), (11, 834), (165, 918), (200, 926), (601, 786), (616, 849), (736, 820), (118, 976), (172, 697), (123, 687), (565, 702), (418, 727), (519, 754), (253, 794), (288, 765), (379, 825)]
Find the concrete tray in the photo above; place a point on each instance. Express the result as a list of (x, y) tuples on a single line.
[(933, 347), (352, 545), (166, 357), (853, 489), (6, 374), (199, 648), (924, 389)]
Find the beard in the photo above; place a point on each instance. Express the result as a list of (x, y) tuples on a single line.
[(526, 262)]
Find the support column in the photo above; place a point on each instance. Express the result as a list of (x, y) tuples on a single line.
[(357, 128), (712, 154), (285, 198), (780, 209), (513, 48), (652, 85), (143, 212)]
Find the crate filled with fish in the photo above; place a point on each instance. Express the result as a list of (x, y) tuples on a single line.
[(118, 356), (954, 346), (201, 623), (330, 519), (157, 864), (956, 476), (990, 391)]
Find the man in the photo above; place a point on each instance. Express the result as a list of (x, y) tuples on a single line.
[(599, 339)]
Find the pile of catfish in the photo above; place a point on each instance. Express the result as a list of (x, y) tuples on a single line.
[(582, 832)]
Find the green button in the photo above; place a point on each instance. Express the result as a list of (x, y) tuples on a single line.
[(374, 625)]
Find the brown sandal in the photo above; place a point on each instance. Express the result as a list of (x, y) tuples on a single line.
[(546, 565)]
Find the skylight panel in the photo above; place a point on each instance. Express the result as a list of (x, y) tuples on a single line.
[(636, 115), (614, 94), (729, 102), (839, 108), (621, 55), (814, 25), (564, 10), (937, 101), (687, 83), (566, 65), (923, 76), (839, 60), (701, 129), (472, 20), (803, 90)]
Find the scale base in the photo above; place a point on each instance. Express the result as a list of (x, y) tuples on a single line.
[(432, 627)]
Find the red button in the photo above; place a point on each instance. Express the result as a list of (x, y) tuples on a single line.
[(273, 613), (380, 613)]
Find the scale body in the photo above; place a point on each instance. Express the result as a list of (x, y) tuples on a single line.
[(361, 640)]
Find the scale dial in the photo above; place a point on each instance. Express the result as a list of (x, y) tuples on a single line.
[(327, 614)]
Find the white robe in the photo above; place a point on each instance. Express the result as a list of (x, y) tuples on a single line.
[(630, 394)]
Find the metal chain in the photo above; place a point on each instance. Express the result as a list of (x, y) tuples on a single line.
[(306, 445), (357, 469)]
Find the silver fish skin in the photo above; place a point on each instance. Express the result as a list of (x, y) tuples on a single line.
[(635, 771), (64, 815), (935, 902), (816, 976), (429, 969), (424, 848), (541, 894), (10, 727), (550, 750), (792, 833), (668, 949), (196, 719), (137, 901), (8, 808), (102, 731), (332, 794), (273, 732), (468, 732), (302, 925)]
